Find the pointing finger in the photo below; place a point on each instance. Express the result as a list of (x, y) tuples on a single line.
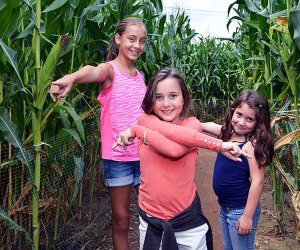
[(246, 154)]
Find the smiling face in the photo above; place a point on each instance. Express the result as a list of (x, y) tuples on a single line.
[(243, 120), (169, 101), (132, 42)]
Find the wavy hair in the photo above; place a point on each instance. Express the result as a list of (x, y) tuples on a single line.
[(149, 99), (261, 136), (113, 48)]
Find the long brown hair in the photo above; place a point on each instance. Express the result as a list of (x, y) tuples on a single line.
[(261, 136), (149, 99), (113, 48)]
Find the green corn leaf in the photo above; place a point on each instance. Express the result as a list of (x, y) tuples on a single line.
[(83, 18), (158, 5), (78, 175), (291, 180), (281, 96), (122, 8), (251, 5), (47, 71), (162, 22), (11, 57), (8, 163), (12, 225), (27, 31), (9, 17), (295, 19), (74, 134), (64, 119), (10, 134), (55, 5), (3, 4), (71, 111)]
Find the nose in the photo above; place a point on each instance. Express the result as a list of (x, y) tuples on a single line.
[(241, 122), (166, 102), (137, 44)]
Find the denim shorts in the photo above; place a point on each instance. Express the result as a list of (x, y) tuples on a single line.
[(231, 238), (120, 173)]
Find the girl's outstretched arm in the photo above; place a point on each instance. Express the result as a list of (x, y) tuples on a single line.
[(154, 139), (212, 128), (244, 224), (186, 135), (88, 74), (191, 137)]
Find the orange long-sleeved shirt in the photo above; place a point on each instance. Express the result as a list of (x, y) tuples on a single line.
[(168, 163)]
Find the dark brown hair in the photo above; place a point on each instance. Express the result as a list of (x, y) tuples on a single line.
[(261, 136), (113, 48), (149, 99)]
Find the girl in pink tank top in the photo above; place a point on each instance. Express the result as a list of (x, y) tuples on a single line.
[(122, 91)]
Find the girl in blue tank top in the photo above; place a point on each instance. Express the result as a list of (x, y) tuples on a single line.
[(238, 185)]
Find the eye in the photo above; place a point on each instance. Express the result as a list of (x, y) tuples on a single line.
[(158, 97), (143, 41), (250, 120), (173, 96), (238, 114), (131, 39)]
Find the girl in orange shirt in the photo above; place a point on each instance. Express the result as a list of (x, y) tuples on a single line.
[(169, 206)]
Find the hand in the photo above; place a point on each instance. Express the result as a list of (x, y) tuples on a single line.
[(232, 151), (125, 138), (61, 87), (244, 225)]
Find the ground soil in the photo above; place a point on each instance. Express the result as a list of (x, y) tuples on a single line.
[(267, 237)]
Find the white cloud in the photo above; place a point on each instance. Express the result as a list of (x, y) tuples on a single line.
[(207, 17)]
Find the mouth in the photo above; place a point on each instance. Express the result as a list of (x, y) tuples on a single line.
[(167, 112), (134, 52)]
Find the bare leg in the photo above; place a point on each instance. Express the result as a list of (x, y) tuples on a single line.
[(120, 200)]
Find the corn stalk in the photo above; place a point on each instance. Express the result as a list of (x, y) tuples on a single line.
[(36, 126), (43, 78), (289, 180)]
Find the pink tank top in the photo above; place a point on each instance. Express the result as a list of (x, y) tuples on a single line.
[(120, 107)]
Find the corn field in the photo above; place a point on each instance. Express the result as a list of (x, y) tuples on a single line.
[(49, 151)]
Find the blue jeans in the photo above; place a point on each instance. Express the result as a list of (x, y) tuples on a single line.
[(231, 238), (120, 173)]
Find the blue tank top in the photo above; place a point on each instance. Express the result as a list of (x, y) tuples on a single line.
[(231, 181)]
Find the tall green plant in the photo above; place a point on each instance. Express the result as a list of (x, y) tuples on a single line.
[(266, 37)]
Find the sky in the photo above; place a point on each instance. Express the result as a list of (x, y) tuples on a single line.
[(207, 17)]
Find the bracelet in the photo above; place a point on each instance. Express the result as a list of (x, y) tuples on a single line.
[(145, 141)]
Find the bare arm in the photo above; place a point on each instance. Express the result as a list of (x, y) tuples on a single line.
[(103, 73), (212, 128), (244, 224)]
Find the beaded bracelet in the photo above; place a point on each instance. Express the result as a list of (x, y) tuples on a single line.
[(145, 141)]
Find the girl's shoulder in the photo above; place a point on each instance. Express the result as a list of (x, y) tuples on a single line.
[(109, 65), (248, 147), (106, 69)]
